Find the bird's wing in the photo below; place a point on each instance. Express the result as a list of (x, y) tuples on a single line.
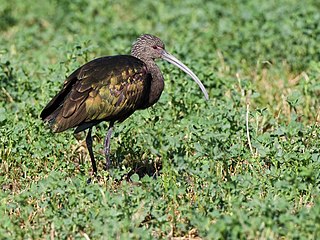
[(108, 88)]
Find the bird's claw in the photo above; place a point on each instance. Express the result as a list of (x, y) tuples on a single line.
[(94, 177)]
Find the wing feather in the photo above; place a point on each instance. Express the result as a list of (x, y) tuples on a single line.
[(105, 89)]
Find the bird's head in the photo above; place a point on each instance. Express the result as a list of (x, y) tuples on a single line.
[(148, 48)]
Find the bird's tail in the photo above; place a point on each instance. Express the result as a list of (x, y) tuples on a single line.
[(51, 120)]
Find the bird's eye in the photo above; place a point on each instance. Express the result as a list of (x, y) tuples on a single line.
[(155, 47)]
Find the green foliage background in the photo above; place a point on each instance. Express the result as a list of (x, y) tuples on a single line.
[(257, 59)]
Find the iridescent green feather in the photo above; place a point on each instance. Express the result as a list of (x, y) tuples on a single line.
[(109, 88)]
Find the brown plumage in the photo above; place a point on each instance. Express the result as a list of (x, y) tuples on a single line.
[(111, 89), (105, 89)]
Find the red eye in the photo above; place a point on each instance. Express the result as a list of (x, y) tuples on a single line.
[(154, 47)]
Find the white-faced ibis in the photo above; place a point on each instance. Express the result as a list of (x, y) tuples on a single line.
[(110, 89)]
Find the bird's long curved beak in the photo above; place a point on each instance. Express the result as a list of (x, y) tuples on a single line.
[(171, 59)]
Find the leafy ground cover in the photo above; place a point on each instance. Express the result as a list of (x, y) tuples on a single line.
[(244, 165)]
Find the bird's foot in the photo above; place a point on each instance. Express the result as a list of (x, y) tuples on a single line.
[(94, 177), (108, 164), (89, 180), (106, 167)]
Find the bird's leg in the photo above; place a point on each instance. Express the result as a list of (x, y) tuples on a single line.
[(107, 145), (89, 146)]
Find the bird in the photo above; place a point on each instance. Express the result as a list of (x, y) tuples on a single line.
[(111, 88)]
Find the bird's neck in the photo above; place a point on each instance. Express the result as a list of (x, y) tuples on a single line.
[(156, 84)]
